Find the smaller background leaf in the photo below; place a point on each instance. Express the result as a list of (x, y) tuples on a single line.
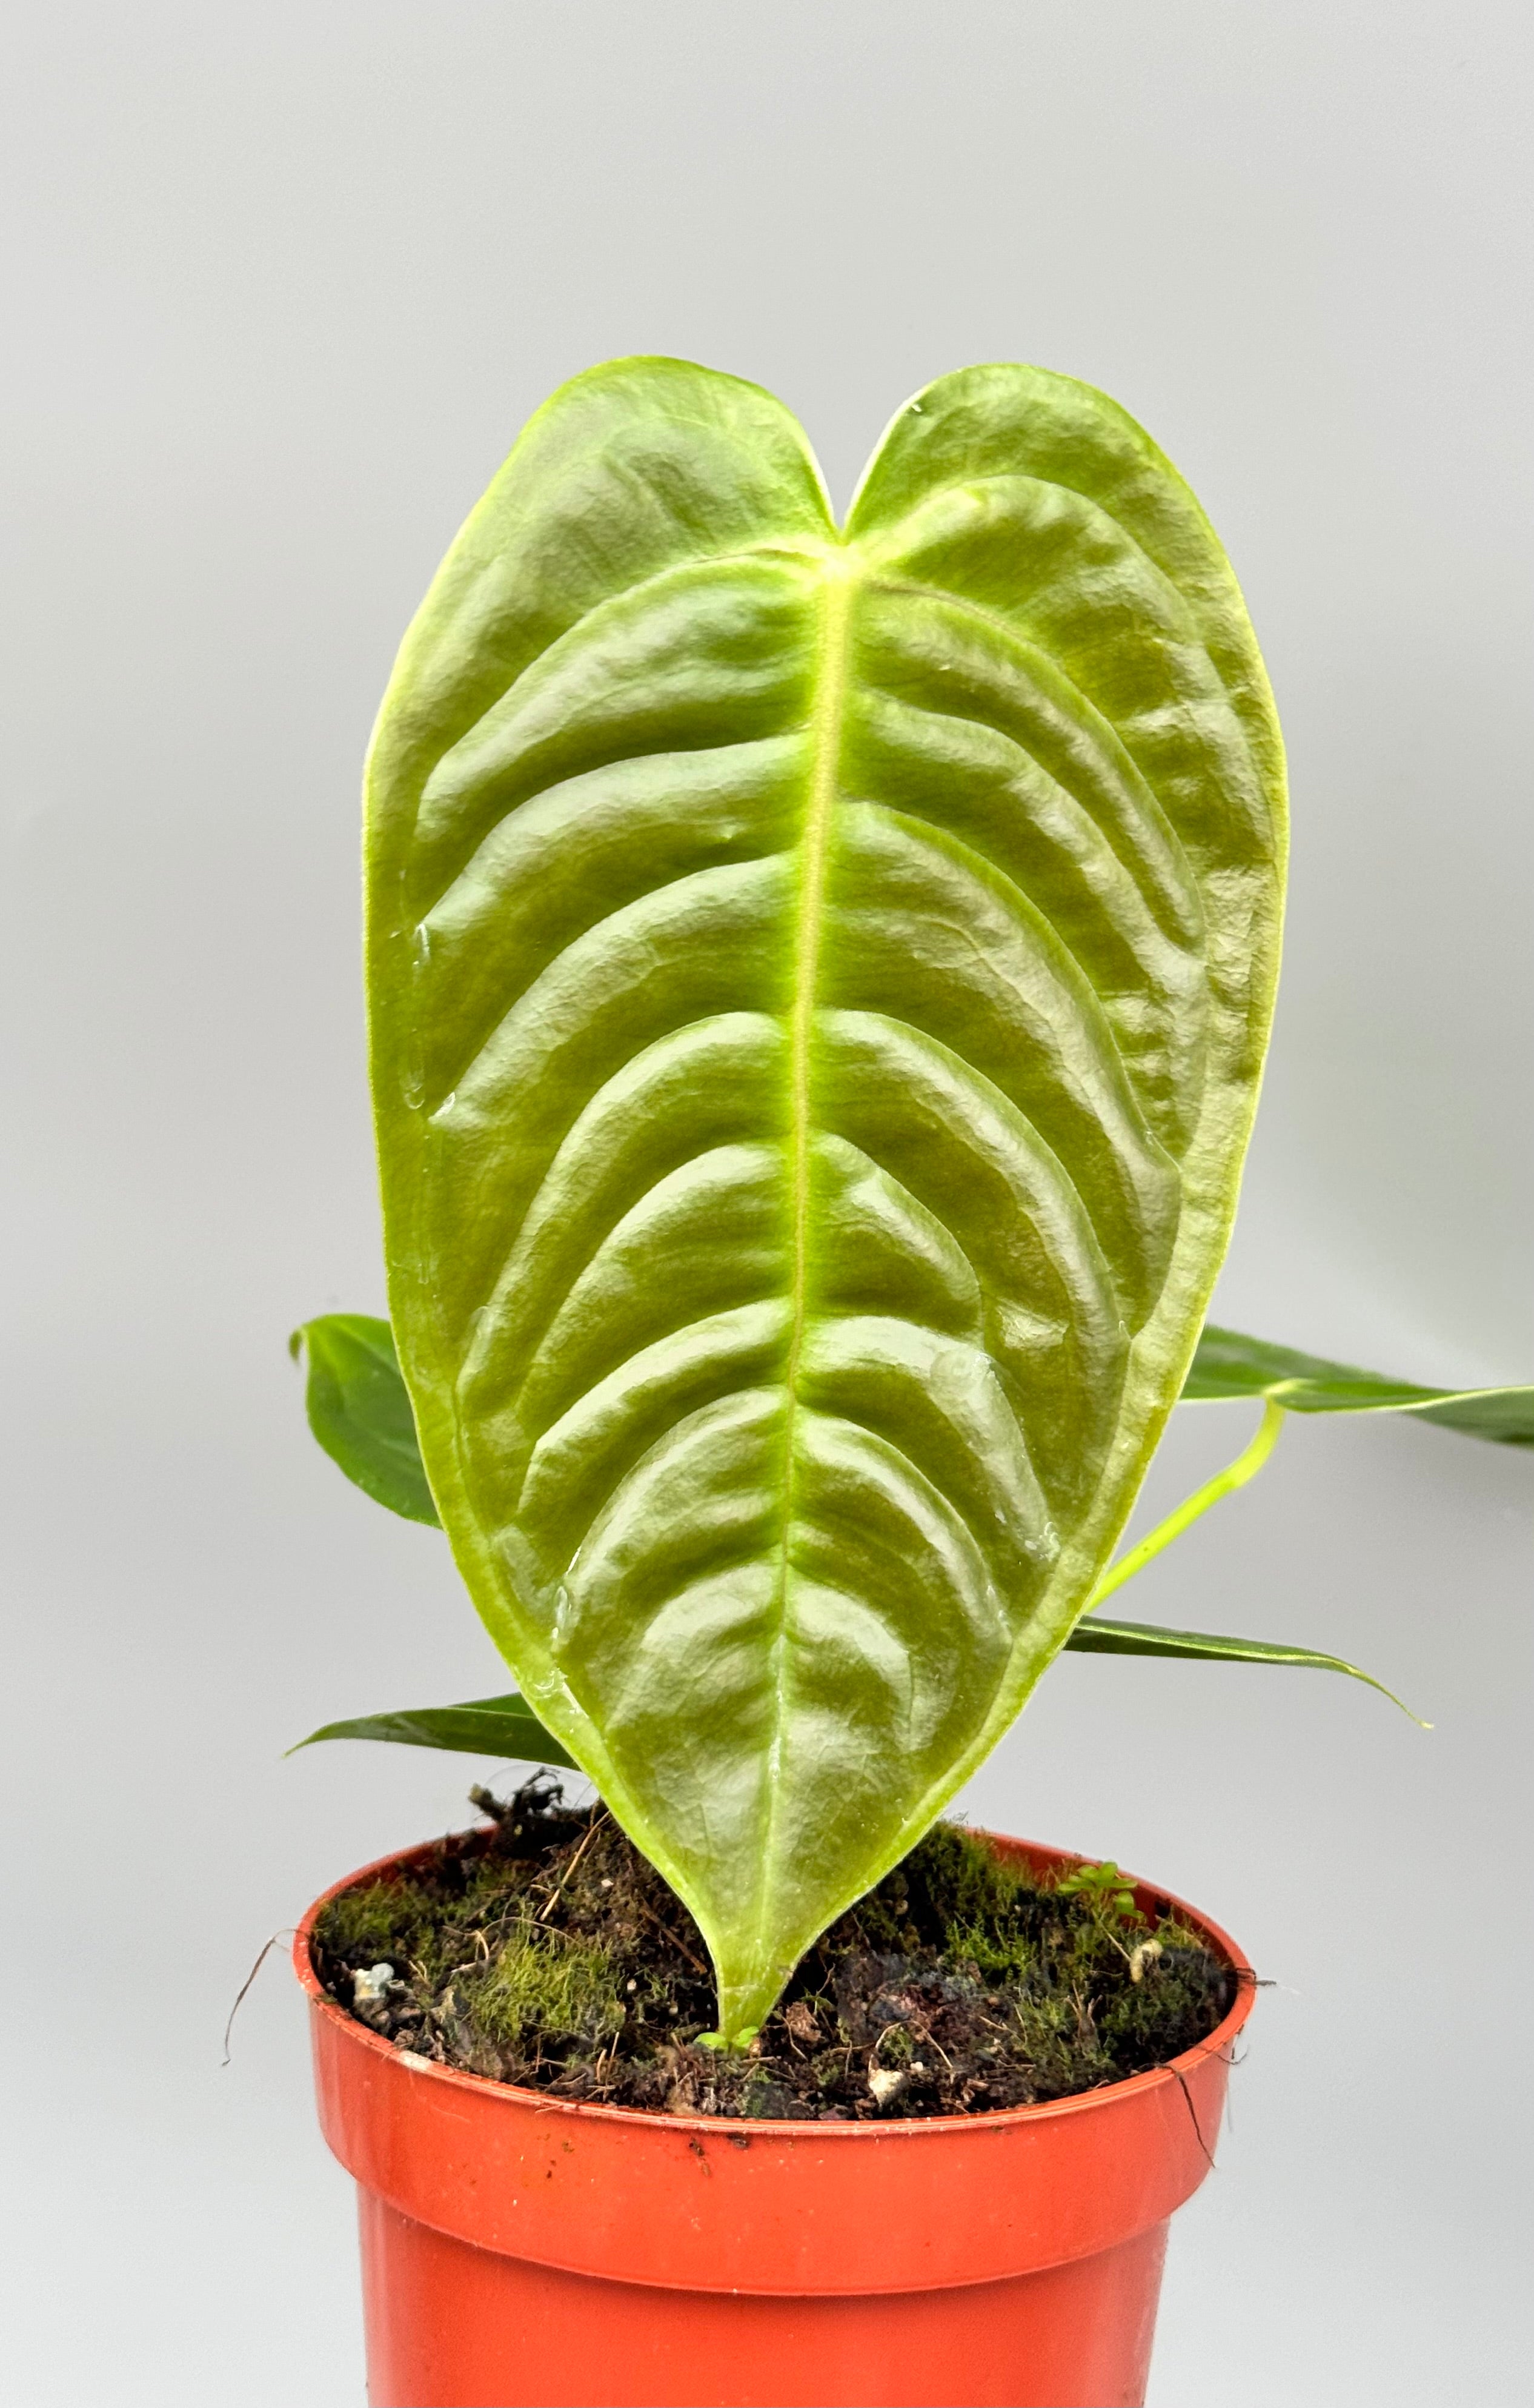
[(359, 1408), (1094, 1635), (1228, 1365), (504, 1725)]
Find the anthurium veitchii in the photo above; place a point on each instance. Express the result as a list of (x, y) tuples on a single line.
[(819, 979)]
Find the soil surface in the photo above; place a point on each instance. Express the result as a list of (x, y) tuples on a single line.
[(548, 1953)]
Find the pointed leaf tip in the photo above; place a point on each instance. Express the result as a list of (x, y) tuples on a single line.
[(1095, 1635)]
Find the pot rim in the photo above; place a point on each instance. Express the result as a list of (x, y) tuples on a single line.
[(884, 2128)]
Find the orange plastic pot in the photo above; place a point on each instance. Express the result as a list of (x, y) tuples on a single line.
[(518, 2248)]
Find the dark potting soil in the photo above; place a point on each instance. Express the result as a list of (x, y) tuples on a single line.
[(548, 1953)]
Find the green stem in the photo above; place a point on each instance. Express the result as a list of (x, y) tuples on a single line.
[(1235, 1475)]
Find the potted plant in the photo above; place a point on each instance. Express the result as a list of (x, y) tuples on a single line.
[(818, 984)]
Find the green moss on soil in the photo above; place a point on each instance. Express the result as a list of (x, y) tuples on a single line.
[(548, 1953), (544, 1982)]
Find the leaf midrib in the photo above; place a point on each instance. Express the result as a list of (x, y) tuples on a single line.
[(839, 587)]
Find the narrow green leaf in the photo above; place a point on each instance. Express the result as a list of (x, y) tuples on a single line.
[(1097, 1636), (817, 984), (359, 1408), (484, 1726), (1228, 1365), (1235, 1475)]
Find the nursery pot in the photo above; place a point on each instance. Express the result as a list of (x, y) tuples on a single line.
[(521, 2248)]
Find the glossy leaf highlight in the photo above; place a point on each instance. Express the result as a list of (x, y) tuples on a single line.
[(817, 984)]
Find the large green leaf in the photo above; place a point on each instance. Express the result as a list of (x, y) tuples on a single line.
[(1229, 1365), (359, 1408), (818, 985)]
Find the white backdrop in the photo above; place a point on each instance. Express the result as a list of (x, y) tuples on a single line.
[(287, 281)]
